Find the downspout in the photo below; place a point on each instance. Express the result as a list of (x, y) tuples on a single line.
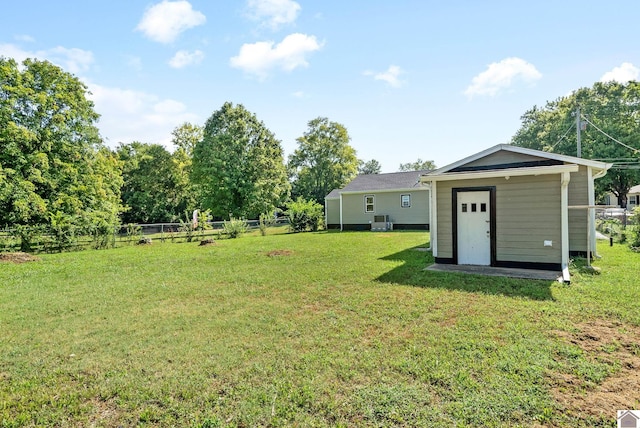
[(433, 220), (326, 214), (565, 177), (591, 217), (340, 211)]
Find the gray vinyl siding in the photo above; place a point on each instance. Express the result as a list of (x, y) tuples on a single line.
[(503, 157), (578, 218), (387, 203), (333, 211), (527, 214)]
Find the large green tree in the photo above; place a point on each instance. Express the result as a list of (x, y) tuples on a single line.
[(238, 165), (369, 167), (53, 166), (609, 131), (185, 138), (323, 161), (154, 190), (418, 165)]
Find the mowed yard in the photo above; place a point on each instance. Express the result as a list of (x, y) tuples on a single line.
[(316, 329)]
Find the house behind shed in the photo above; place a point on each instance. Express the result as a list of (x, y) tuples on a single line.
[(379, 202)]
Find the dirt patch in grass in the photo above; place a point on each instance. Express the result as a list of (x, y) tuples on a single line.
[(105, 413), (17, 257), (276, 253), (618, 346)]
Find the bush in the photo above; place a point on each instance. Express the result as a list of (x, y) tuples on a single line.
[(304, 215), (63, 231), (235, 227), (266, 221), (634, 233)]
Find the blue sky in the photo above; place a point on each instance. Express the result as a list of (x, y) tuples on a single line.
[(408, 78)]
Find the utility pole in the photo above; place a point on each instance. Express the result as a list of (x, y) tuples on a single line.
[(578, 127)]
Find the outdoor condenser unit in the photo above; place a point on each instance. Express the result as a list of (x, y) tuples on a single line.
[(381, 222)]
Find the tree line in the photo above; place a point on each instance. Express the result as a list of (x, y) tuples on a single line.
[(55, 170)]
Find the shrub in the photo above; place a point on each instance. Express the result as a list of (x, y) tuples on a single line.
[(134, 232), (203, 222), (63, 231), (103, 235), (28, 236), (235, 227), (634, 233), (304, 215), (266, 221)]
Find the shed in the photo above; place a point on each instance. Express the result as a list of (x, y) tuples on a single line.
[(509, 206), (396, 200)]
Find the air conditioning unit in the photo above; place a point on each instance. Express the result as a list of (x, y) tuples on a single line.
[(381, 223)]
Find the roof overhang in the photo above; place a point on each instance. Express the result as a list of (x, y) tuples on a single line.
[(596, 165), (368, 192), (506, 173)]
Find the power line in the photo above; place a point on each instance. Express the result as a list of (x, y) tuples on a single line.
[(609, 136), (562, 138)]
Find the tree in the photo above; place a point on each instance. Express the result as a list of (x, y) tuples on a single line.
[(610, 117), (153, 189), (185, 138), (369, 167), (53, 166), (239, 166), (418, 165), (323, 161)]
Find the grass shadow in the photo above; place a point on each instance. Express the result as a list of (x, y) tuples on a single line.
[(412, 272)]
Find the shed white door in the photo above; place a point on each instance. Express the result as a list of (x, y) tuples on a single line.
[(474, 228)]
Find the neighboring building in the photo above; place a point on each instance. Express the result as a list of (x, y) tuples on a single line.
[(633, 198), (509, 206), (380, 201)]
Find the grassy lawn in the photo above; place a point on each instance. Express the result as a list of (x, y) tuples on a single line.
[(322, 329)]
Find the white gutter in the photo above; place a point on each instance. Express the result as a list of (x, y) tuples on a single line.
[(368, 192), (565, 177), (591, 217), (433, 219), (340, 212), (508, 172)]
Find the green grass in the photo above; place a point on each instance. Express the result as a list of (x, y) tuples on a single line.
[(344, 329)]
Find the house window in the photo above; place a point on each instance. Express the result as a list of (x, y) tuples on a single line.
[(369, 204), (405, 201)]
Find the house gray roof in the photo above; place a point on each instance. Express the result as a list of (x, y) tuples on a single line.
[(635, 189), (381, 182)]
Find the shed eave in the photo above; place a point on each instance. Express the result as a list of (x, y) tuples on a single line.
[(515, 172)]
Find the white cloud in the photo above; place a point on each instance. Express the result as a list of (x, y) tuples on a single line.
[(501, 75), (24, 38), (391, 76), (298, 94), (273, 13), (165, 21), (622, 74), (128, 115), (258, 58), (183, 58), (135, 62), (72, 60)]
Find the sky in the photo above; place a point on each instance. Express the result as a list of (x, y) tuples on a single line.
[(409, 79)]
